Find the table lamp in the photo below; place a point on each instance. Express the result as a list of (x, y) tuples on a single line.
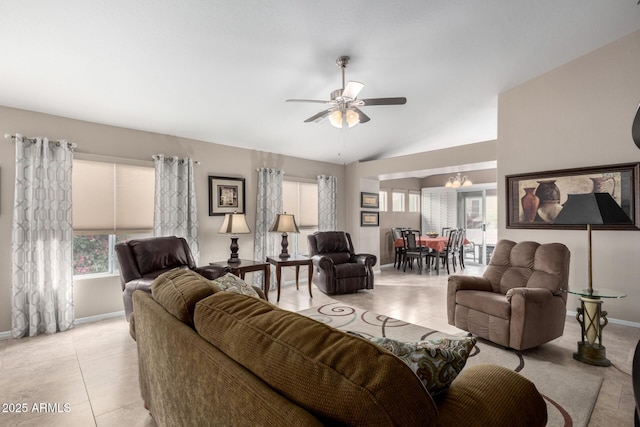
[(234, 224), (588, 209), (284, 223)]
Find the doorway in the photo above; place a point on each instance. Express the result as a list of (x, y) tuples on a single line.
[(478, 214)]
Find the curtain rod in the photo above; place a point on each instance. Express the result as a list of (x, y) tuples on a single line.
[(34, 139), (258, 170), (195, 162)]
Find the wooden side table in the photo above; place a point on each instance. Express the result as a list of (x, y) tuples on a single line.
[(246, 266), (293, 261)]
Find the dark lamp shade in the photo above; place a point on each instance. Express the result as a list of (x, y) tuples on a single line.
[(592, 208), (284, 223), (234, 224)]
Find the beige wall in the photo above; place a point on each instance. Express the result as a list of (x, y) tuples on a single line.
[(96, 297), (578, 115)]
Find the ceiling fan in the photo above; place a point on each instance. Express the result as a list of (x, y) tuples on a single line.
[(344, 110)]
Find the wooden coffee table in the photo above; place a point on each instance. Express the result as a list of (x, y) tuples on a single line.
[(293, 261), (249, 265)]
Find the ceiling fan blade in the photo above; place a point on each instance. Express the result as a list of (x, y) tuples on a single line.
[(319, 116), (384, 101), (352, 89), (363, 117), (308, 100)]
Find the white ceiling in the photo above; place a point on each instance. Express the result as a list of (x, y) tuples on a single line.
[(220, 71)]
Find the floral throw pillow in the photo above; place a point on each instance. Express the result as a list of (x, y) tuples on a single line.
[(437, 362), (232, 283)]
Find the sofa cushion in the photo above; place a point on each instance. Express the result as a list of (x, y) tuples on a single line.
[(332, 241), (486, 302), (436, 362), (327, 372), (350, 269), (232, 283), (179, 290), (159, 253)]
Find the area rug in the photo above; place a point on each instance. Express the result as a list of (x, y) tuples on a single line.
[(570, 396)]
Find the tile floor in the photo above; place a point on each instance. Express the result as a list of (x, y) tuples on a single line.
[(88, 376)]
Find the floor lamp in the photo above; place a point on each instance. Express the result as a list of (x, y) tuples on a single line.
[(590, 209)]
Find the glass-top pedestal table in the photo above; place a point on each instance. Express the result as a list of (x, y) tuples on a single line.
[(592, 320)]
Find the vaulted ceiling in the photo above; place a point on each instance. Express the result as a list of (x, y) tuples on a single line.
[(220, 71)]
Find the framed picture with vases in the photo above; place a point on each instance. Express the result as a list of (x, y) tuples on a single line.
[(535, 199)]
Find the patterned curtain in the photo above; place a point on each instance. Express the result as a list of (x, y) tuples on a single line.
[(42, 238), (175, 212), (327, 211), (269, 203)]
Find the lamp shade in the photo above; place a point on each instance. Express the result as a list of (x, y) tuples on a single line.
[(592, 208), (588, 209), (234, 223), (336, 118), (284, 223)]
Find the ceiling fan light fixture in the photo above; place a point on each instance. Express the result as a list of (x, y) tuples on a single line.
[(335, 118), (344, 105), (351, 117)]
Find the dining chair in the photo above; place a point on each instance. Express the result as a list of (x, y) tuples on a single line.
[(412, 250), (448, 254), (396, 233), (463, 249)]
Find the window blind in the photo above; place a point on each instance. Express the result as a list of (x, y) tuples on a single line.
[(301, 200), (439, 209), (111, 198)]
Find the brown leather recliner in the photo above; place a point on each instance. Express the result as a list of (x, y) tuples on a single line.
[(142, 260), (520, 302), (337, 268)]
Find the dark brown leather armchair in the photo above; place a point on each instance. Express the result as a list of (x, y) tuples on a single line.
[(337, 268), (142, 260)]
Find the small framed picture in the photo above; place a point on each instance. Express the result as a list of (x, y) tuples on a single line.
[(369, 200), (369, 219), (226, 195)]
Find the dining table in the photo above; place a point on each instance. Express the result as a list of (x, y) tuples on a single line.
[(438, 244)]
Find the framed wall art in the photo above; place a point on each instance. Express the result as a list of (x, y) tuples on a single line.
[(535, 199), (369, 219), (369, 200), (226, 195)]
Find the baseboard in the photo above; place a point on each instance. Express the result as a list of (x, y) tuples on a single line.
[(572, 314), (98, 317), (80, 321)]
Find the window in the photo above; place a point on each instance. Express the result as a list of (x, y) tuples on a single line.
[(397, 201), (300, 198), (383, 201), (112, 203), (414, 201)]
